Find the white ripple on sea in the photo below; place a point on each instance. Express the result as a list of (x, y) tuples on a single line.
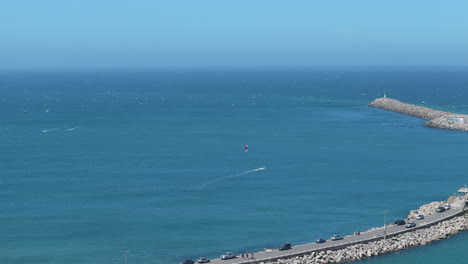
[(73, 128)]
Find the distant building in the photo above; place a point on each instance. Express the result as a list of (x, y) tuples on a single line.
[(453, 120), (463, 190)]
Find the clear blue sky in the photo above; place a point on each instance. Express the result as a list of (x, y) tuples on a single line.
[(206, 33)]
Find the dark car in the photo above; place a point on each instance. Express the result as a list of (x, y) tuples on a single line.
[(320, 240), (188, 261), (440, 209), (285, 246), (400, 222)]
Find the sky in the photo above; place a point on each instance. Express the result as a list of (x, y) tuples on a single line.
[(236, 33)]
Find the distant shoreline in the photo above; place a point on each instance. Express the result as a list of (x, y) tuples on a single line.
[(436, 118)]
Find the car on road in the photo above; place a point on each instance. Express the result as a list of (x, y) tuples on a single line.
[(410, 224), (447, 206), (203, 260), (187, 261), (420, 217), (440, 209), (228, 255), (320, 240), (400, 222), (285, 246), (336, 237)]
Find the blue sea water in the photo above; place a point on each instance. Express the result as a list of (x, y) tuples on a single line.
[(151, 161)]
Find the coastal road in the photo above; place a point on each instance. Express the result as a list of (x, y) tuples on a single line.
[(375, 234)]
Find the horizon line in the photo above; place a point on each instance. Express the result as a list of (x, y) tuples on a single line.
[(233, 67)]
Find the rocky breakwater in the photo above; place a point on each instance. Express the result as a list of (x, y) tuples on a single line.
[(430, 208), (436, 118), (417, 237), (360, 251), (426, 210)]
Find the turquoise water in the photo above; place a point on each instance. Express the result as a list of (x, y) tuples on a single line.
[(96, 162)]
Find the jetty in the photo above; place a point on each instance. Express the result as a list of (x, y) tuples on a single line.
[(435, 226), (435, 118)]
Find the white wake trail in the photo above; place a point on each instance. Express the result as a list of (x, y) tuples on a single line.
[(48, 130), (73, 128), (232, 176)]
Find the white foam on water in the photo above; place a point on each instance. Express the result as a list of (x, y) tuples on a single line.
[(73, 128), (232, 176)]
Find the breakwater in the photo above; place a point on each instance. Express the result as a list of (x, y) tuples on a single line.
[(375, 241), (414, 238), (436, 118)]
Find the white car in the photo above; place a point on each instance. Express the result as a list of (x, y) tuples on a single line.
[(203, 260), (420, 217), (447, 207), (336, 237), (228, 255)]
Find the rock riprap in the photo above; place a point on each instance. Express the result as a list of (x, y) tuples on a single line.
[(415, 238), (436, 118)]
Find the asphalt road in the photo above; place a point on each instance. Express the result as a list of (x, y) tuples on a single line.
[(351, 239)]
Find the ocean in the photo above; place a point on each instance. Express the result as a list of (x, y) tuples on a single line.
[(95, 162)]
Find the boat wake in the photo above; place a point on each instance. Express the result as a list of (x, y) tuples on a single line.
[(232, 176), (49, 130), (73, 128)]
